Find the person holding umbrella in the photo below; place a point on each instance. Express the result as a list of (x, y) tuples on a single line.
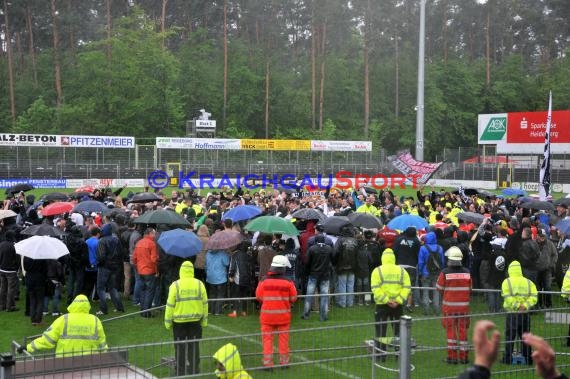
[(145, 260)]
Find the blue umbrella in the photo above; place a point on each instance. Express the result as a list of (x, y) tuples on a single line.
[(242, 213), (513, 192), (180, 243), (90, 206), (563, 226), (404, 221)]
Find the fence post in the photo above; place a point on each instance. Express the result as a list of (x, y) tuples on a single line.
[(405, 347), (7, 363)]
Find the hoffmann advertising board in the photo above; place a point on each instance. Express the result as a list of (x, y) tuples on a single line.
[(523, 132)]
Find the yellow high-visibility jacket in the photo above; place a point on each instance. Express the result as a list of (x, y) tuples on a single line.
[(187, 299), (518, 290), (75, 333), (390, 282)]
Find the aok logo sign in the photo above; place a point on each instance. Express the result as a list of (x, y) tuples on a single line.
[(495, 129)]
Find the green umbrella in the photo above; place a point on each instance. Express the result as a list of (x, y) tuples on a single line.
[(162, 217), (272, 225)]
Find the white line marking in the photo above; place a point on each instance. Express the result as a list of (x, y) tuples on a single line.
[(300, 357)]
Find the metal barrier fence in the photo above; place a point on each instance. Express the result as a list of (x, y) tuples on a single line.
[(341, 347), (461, 163)]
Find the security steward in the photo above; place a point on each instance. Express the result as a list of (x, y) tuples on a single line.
[(276, 294), (186, 314), (520, 295), (390, 286), (454, 284), (75, 333), (228, 363), (566, 295)]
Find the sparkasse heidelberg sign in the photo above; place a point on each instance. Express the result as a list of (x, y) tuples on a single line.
[(523, 132)]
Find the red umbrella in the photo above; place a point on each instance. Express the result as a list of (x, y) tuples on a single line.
[(58, 208), (89, 189)]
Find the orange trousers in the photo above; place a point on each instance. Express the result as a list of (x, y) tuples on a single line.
[(456, 327), (267, 333)]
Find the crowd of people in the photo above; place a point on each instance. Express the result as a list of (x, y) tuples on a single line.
[(511, 249)]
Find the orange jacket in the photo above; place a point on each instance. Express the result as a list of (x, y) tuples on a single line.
[(145, 256), (276, 295)]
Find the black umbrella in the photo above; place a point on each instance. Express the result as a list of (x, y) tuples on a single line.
[(538, 205), (484, 193), (55, 196), (22, 187), (162, 216), (564, 200), (369, 189), (42, 230), (90, 206), (114, 212), (334, 224), (79, 195), (476, 218), (288, 189), (365, 220), (309, 214), (467, 191), (144, 197)]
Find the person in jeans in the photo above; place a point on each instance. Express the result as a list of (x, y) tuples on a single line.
[(344, 260), (145, 259), (429, 279), (109, 265), (319, 264), (217, 263)]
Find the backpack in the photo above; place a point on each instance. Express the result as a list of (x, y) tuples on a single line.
[(433, 261)]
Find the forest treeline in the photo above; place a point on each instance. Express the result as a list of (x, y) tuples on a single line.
[(323, 69)]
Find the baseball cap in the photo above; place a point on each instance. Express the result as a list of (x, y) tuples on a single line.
[(454, 254), (280, 261)]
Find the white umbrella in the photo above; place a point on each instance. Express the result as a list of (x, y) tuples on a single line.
[(41, 247), (5, 213)]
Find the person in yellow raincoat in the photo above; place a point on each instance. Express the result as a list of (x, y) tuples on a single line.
[(75, 333), (228, 363)]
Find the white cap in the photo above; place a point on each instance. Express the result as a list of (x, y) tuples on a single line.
[(280, 261), (454, 254)]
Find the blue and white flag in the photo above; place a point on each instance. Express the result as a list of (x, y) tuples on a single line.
[(544, 184)]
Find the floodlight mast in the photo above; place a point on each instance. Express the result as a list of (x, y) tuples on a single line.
[(421, 75)]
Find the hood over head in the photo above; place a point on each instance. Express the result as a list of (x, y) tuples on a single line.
[(228, 355), (430, 238), (79, 305), (186, 270), (388, 257), (515, 269)]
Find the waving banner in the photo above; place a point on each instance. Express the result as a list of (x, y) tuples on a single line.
[(407, 165)]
